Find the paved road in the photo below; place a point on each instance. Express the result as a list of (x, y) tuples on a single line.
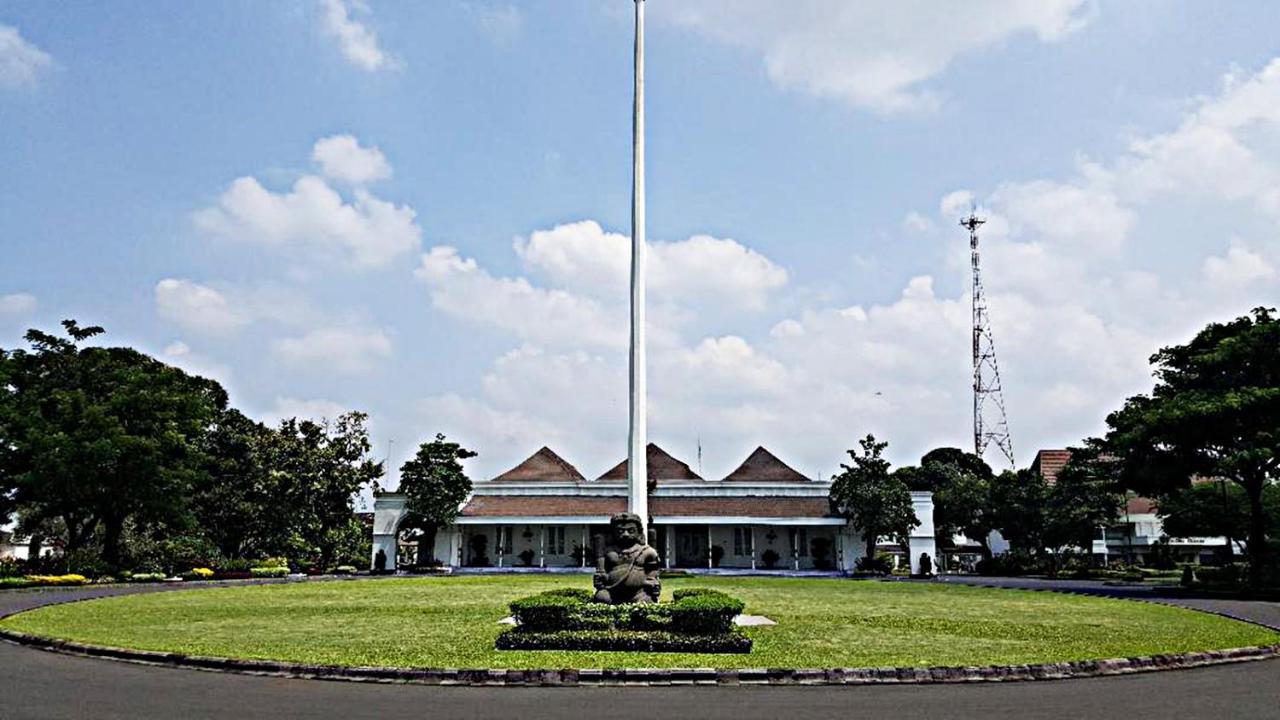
[(39, 684)]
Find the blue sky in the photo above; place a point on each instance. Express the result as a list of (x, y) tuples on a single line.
[(417, 209)]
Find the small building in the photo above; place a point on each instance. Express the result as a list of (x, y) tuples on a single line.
[(543, 513)]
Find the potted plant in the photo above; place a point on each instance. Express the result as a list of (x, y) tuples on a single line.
[(526, 557), (717, 553), (770, 558)]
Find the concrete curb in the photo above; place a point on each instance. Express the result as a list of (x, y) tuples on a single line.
[(659, 677)]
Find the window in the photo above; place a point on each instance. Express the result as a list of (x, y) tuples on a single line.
[(555, 541)]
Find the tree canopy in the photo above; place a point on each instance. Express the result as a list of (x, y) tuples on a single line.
[(1214, 412), (877, 502), (435, 485)]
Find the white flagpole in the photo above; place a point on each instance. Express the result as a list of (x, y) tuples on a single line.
[(637, 467)]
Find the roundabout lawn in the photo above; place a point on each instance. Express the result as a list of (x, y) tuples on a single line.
[(452, 623)]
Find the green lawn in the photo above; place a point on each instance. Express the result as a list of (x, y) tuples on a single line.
[(452, 622)]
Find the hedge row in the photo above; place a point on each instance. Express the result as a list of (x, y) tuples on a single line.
[(624, 641), (695, 611)]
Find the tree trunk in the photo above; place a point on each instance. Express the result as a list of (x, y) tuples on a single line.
[(870, 537), (1257, 532), (112, 529)]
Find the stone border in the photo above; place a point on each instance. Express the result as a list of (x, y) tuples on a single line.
[(645, 677)]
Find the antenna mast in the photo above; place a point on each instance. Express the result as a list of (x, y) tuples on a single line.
[(986, 371)]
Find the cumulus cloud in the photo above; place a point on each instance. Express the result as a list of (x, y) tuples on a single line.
[(876, 55), (315, 217), (197, 307), (1239, 268), (341, 349), (342, 158), (180, 355), (21, 63), (17, 304), (359, 43)]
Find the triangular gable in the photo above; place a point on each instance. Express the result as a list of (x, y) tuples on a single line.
[(660, 466), (542, 466), (763, 466)]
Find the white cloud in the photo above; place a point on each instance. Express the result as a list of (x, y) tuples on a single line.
[(17, 304), (21, 63), (341, 349), (358, 42), (501, 24), (459, 286), (197, 307), (1239, 268), (180, 355), (312, 215), (876, 55), (314, 409), (342, 158)]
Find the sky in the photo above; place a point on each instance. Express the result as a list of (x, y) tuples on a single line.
[(420, 210)]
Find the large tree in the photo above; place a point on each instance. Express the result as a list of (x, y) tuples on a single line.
[(240, 504), (961, 486), (99, 436), (876, 501), (1086, 496), (322, 466), (435, 485), (1214, 412)]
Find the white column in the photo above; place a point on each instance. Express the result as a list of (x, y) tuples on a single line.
[(709, 562), (752, 530), (637, 467), (542, 548), (501, 550), (671, 545), (584, 546)]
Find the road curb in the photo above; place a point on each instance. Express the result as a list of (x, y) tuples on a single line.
[(487, 677)]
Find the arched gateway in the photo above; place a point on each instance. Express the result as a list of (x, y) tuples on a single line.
[(543, 512)]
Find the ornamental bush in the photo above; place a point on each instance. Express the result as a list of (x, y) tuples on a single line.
[(693, 611), (200, 573), (57, 580), (146, 577), (624, 641), (269, 572)]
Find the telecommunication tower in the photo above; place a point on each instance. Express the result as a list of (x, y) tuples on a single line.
[(988, 399)]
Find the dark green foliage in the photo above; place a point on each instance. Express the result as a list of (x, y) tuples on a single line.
[(1214, 412), (961, 486), (770, 558), (875, 564), (435, 485), (877, 502), (624, 641)]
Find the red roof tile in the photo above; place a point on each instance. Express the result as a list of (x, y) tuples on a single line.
[(595, 506), (764, 466), (660, 466), (542, 466)]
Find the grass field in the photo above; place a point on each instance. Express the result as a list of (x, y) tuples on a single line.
[(452, 622)]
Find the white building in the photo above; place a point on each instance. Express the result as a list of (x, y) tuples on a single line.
[(543, 514)]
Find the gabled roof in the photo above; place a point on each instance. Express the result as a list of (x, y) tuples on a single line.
[(660, 466), (542, 466), (764, 466)]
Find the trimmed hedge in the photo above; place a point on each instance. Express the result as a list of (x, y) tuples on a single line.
[(697, 620), (269, 572), (624, 641)]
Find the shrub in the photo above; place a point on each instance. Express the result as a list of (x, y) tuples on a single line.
[(631, 641), (701, 611), (770, 558), (238, 565), (10, 568), (696, 611), (271, 571), (879, 565), (58, 580), (9, 583), (344, 570), (1009, 564), (146, 577), (199, 573), (526, 557), (717, 554), (271, 562)]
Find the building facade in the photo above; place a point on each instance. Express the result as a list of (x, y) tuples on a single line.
[(543, 514)]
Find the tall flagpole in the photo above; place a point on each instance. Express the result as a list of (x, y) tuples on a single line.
[(637, 466)]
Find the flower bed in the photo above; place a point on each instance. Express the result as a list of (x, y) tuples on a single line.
[(697, 620)]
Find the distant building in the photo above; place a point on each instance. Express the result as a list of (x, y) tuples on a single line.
[(1138, 531), (543, 513)]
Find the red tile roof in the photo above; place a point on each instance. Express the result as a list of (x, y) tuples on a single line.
[(660, 466), (764, 466), (542, 466), (1140, 506), (595, 506), (1050, 462)]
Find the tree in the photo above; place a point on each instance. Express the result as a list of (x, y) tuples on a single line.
[(320, 467), (1214, 413), (240, 502), (99, 436), (1086, 496), (961, 486), (435, 485), (878, 503), (1018, 502)]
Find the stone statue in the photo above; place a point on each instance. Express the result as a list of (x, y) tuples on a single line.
[(626, 567), (380, 561)]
